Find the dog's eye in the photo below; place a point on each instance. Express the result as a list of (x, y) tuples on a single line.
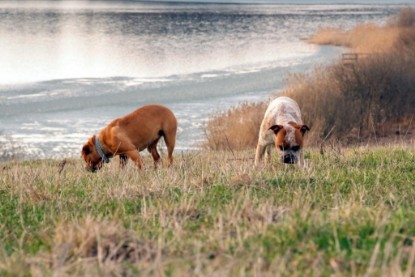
[(295, 148)]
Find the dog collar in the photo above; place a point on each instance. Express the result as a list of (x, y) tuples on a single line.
[(101, 151)]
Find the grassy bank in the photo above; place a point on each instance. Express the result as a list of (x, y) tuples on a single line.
[(349, 212)]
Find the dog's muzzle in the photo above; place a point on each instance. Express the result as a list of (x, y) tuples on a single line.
[(92, 169), (289, 159)]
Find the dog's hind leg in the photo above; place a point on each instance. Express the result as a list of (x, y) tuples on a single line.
[(123, 160), (170, 140), (152, 148)]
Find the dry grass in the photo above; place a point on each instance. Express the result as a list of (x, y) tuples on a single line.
[(372, 98), (102, 241), (366, 38), (211, 214), (236, 129), (405, 19)]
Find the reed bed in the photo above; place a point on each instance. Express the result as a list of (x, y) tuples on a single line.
[(367, 99), (235, 129)]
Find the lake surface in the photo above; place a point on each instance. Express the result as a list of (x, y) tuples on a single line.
[(67, 69)]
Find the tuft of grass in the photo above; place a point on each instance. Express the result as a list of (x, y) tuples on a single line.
[(349, 212)]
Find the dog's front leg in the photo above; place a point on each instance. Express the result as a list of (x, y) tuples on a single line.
[(267, 157), (260, 150), (135, 157), (301, 162)]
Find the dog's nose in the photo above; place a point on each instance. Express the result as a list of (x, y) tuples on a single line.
[(289, 159), (91, 169)]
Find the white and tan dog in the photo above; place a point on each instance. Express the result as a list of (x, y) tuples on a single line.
[(282, 126)]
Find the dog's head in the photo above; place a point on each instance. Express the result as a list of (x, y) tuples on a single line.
[(91, 156), (289, 141)]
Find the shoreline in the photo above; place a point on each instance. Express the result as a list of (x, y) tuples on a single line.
[(247, 90)]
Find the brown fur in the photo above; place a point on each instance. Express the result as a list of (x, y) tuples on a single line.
[(281, 132), (128, 135)]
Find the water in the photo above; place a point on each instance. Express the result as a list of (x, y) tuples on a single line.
[(67, 69)]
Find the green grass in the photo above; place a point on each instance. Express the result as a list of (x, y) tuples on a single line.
[(350, 212)]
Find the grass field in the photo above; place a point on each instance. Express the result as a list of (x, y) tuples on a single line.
[(350, 212)]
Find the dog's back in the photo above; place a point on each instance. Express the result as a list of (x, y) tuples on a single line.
[(281, 111)]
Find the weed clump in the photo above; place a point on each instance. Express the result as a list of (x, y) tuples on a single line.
[(100, 241)]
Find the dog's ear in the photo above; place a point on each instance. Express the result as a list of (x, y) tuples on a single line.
[(304, 129), (86, 149), (276, 128)]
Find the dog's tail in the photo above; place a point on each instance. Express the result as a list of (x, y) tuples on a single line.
[(169, 136)]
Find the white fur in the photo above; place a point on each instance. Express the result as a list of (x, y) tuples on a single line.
[(280, 111)]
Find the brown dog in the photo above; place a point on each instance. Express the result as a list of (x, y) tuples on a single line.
[(128, 135)]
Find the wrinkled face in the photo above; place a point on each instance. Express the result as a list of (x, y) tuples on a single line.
[(289, 141), (90, 154)]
